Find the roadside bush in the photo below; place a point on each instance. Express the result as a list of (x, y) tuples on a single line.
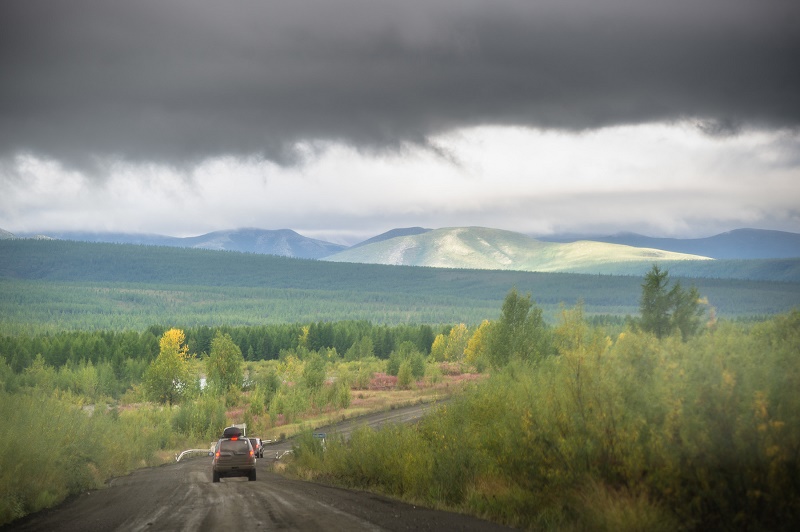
[(120, 443), (265, 384), (406, 352), (200, 420), (363, 378), (257, 401), (232, 397), (289, 402), (342, 395), (605, 508), (433, 373), (395, 460), (630, 433), (314, 372), (308, 450), (404, 377)]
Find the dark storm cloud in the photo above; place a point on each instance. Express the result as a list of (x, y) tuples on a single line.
[(178, 81)]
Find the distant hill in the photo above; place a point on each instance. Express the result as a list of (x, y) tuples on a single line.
[(281, 242), (736, 244), (59, 284), (739, 244), (495, 249), (112, 238), (407, 231)]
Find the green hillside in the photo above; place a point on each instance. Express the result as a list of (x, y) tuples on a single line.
[(59, 285), (494, 249), (786, 270)]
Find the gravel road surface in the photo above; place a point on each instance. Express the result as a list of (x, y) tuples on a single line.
[(181, 496)]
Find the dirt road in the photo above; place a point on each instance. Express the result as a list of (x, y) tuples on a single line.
[(181, 496)]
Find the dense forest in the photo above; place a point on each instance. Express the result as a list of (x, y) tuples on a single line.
[(125, 353), (55, 285)]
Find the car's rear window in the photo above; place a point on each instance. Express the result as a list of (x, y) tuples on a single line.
[(235, 446)]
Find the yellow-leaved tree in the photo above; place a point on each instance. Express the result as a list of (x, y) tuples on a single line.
[(475, 353), (168, 377), (450, 348), (438, 348), (456, 343)]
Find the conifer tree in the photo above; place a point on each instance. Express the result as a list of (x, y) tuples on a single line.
[(665, 310)]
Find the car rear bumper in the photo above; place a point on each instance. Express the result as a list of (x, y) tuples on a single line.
[(234, 471)]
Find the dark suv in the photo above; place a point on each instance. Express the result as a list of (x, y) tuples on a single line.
[(258, 447), (233, 457)]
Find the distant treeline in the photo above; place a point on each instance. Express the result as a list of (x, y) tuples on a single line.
[(264, 342), (786, 270)]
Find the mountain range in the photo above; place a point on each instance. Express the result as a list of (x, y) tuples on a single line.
[(736, 244), (494, 249), (282, 242), (473, 247)]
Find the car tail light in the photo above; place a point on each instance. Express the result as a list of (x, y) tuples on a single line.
[(251, 452)]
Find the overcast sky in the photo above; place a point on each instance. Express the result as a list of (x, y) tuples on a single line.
[(342, 119)]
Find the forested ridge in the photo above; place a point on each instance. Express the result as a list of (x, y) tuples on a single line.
[(58, 285), (62, 260)]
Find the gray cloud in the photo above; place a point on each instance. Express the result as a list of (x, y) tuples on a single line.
[(179, 81)]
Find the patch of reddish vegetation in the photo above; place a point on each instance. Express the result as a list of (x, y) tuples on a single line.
[(451, 368), (235, 413), (422, 384), (382, 381), (467, 377), (357, 402)]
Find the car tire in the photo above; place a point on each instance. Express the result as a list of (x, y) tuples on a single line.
[(252, 476), (214, 477)]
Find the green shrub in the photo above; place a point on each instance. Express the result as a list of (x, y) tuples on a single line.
[(630, 433), (601, 508), (404, 377), (433, 373), (121, 442), (200, 420), (289, 402)]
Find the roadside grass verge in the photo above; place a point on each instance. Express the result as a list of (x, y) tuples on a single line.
[(51, 448), (368, 402)]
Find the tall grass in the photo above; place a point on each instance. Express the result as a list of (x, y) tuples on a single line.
[(629, 433), (51, 448)]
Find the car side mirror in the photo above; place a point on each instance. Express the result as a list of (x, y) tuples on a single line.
[(210, 453)]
